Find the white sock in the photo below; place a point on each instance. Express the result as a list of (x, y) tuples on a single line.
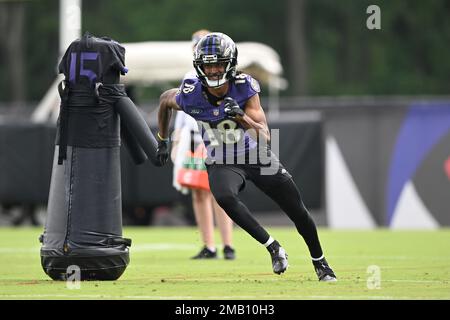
[(317, 259), (212, 249), (269, 242)]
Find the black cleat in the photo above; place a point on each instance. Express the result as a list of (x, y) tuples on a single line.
[(323, 271), (205, 253), (228, 253), (279, 257)]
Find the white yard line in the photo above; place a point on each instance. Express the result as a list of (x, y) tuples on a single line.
[(248, 297), (143, 247)]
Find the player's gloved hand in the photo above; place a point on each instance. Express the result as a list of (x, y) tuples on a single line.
[(162, 152), (232, 109)]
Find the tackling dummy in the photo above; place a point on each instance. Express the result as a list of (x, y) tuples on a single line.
[(84, 214)]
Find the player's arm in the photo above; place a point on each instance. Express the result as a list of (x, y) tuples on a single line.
[(254, 118), (167, 103)]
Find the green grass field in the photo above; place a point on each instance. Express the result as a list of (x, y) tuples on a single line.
[(412, 264)]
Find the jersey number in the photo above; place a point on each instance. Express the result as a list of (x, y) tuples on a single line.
[(188, 88), (225, 132), (91, 75), (240, 78)]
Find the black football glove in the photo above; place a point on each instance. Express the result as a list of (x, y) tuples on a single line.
[(232, 108), (162, 152)]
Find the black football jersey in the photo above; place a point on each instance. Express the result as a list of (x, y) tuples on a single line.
[(91, 59)]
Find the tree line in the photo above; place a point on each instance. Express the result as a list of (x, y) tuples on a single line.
[(325, 45)]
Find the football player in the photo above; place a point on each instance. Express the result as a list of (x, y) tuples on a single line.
[(227, 107)]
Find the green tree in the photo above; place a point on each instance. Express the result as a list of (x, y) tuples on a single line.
[(324, 45)]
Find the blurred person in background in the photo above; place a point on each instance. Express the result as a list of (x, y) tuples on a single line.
[(235, 132), (25, 212), (188, 144)]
